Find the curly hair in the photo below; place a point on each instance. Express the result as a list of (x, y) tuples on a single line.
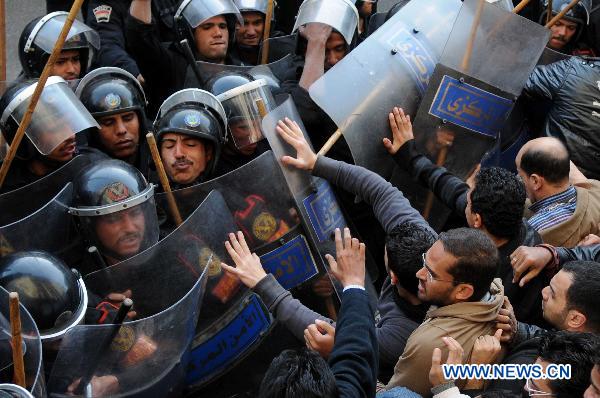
[(405, 244), (499, 198)]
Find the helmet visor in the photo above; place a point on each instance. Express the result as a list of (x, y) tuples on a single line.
[(196, 12), (80, 35), (58, 116), (245, 107)]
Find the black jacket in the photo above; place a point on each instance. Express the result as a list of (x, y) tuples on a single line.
[(572, 87), (578, 253), (452, 191)]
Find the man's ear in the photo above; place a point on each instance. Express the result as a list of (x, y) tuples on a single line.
[(537, 181), (477, 221), (463, 292), (209, 152), (576, 320)]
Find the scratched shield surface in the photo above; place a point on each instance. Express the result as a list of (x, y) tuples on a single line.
[(32, 349), (392, 67), (471, 95), (147, 356), (48, 228)]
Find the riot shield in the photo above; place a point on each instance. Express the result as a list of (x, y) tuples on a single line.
[(32, 348), (21, 202), (179, 259), (47, 229), (146, 357), (392, 67), (264, 210), (550, 56), (274, 73), (471, 94), (280, 47)]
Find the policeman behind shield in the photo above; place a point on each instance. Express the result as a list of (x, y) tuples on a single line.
[(190, 131), (116, 100), (39, 37), (50, 138), (114, 206), (567, 33), (208, 32)]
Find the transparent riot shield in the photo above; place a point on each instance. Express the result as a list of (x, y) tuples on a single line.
[(21, 202), (179, 259), (392, 67), (144, 357), (265, 211), (32, 349), (472, 93), (274, 73), (47, 229), (550, 56), (280, 47)]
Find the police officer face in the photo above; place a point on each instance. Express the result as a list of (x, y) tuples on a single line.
[(244, 132), (122, 233), (184, 157), (64, 152), (252, 32), (335, 50), (68, 65), (120, 134), (212, 39), (562, 33)]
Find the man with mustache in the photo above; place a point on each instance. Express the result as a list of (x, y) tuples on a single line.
[(116, 100), (567, 32), (50, 138), (190, 131), (115, 208), (209, 35)]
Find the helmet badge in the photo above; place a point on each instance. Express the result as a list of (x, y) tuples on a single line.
[(112, 101), (114, 193), (192, 119)]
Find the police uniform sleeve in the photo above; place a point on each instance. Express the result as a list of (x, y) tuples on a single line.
[(108, 17)]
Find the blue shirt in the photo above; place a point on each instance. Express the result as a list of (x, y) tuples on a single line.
[(553, 210)]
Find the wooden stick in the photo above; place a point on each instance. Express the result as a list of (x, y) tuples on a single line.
[(38, 90), (164, 180), (469, 50), (266, 34), (330, 142), (262, 108), (17, 339), (331, 308), (549, 12), (2, 41), (441, 159), (520, 6), (561, 14)]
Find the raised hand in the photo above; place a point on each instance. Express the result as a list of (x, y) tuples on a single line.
[(320, 337), (401, 130), (455, 357), (349, 265), (292, 134), (247, 264)]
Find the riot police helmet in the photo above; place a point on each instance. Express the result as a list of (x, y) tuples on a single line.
[(579, 14), (58, 116), (195, 113), (40, 35), (192, 13), (115, 207), (54, 295)]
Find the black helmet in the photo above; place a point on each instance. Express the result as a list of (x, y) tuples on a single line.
[(195, 113), (58, 116), (39, 36), (112, 191), (239, 93), (579, 14), (109, 90), (192, 13), (54, 295)]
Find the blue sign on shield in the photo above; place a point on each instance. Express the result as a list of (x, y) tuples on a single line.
[(291, 264), (470, 107), (324, 212)]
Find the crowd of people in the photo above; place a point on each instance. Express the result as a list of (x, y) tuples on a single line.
[(391, 297)]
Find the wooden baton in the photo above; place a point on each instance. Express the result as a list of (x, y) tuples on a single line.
[(17, 339), (267, 33)]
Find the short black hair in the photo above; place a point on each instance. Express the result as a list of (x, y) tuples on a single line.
[(570, 348), (499, 198), (405, 245), (554, 166), (298, 374), (477, 258), (584, 291)]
